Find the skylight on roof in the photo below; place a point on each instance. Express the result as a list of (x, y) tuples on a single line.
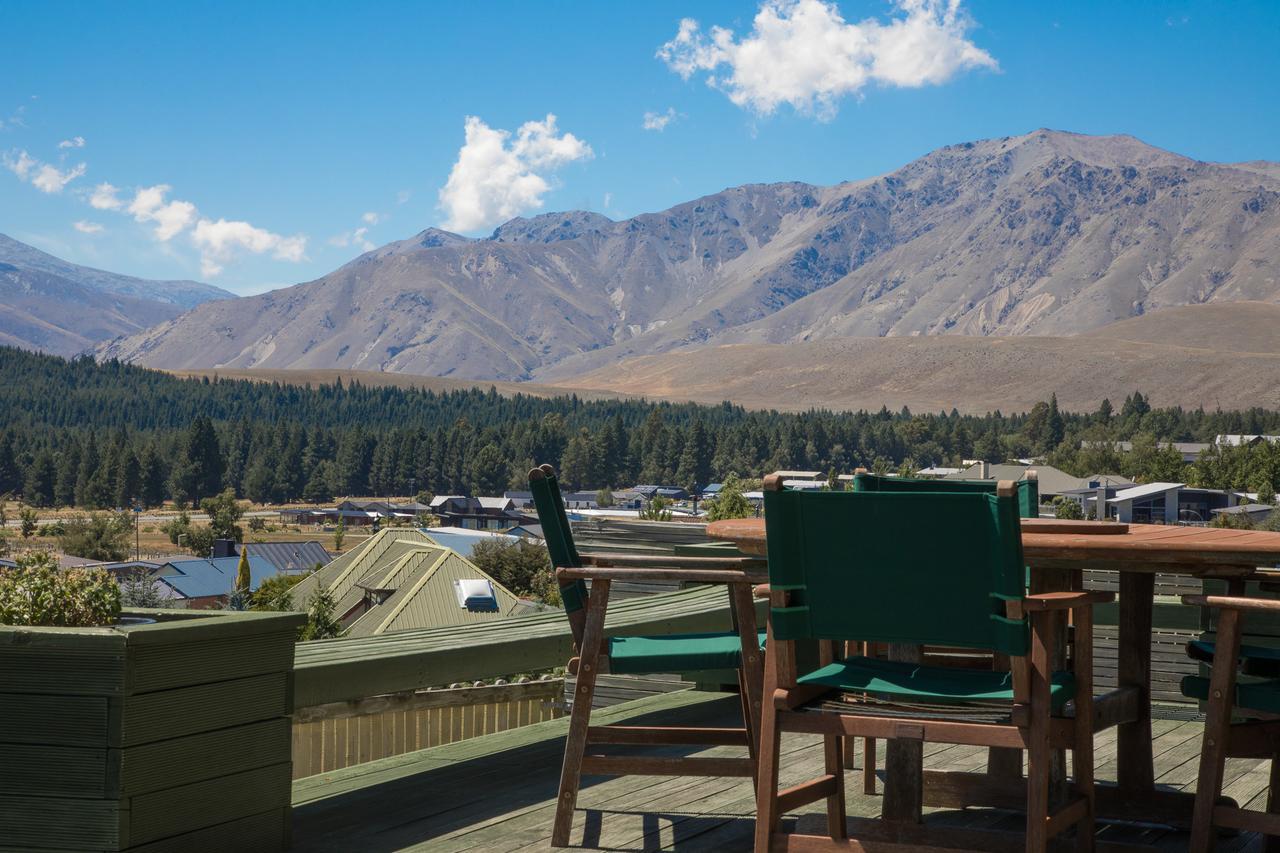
[(476, 595)]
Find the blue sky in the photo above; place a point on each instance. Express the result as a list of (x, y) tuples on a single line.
[(278, 126)]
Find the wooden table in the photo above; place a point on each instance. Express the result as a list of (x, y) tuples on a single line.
[(1058, 554)]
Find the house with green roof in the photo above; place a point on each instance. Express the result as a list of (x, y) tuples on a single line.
[(400, 579)]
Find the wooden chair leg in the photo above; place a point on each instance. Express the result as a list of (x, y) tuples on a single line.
[(1082, 747), (847, 750), (1217, 729), (767, 787), (751, 673), (584, 692), (836, 825), (868, 764), (1039, 753)]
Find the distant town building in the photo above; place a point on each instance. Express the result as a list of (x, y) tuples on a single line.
[(357, 512), (476, 513)]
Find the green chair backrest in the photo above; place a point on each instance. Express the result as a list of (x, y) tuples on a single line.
[(899, 567), (1028, 489), (549, 504)]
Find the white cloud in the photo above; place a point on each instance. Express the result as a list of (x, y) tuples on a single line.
[(803, 53), (170, 218), (659, 121), (608, 200), (104, 197), (403, 196), (21, 164), (43, 176), (86, 227), (498, 176), (353, 238), (73, 142), (371, 218), (219, 243)]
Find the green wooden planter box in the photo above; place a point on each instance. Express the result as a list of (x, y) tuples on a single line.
[(172, 735)]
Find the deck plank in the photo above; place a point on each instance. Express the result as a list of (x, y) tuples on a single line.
[(497, 792)]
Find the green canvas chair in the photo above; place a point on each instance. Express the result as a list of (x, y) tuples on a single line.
[(598, 653), (1028, 491), (1242, 720), (914, 569)]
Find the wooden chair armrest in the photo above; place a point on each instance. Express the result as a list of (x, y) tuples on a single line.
[(659, 574), (1046, 601), (673, 562), (1258, 605)]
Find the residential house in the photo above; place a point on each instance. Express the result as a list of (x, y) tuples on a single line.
[(1255, 513), (357, 512), (1157, 503), (671, 493), (1052, 481), (462, 540), (400, 579), (1190, 450), (482, 513), (1242, 440), (290, 557), (204, 583)]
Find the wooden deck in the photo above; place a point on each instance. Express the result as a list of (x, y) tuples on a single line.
[(496, 793)]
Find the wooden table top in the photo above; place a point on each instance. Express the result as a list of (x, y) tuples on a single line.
[(1139, 547)]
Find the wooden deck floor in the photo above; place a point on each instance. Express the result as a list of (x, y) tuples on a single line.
[(496, 793)]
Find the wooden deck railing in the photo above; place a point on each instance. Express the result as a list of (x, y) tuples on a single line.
[(327, 671), (341, 734)]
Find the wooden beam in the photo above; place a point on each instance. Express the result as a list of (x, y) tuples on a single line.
[(796, 796), (647, 765), (666, 735)]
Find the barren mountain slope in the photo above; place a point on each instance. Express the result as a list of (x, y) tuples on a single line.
[(1049, 233), (973, 374), (54, 306), (1221, 327)]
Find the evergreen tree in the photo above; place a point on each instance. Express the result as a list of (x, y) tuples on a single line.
[(151, 477), (695, 461), (64, 492), (41, 481)]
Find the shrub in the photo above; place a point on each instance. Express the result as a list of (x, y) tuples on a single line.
[(520, 566), (37, 592), (657, 510), (29, 521), (99, 536), (1067, 508), (140, 589), (731, 503)]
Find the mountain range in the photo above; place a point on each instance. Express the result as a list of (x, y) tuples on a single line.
[(52, 305), (1045, 234)]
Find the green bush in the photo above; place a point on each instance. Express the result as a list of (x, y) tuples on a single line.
[(520, 566), (98, 536), (37, 592)]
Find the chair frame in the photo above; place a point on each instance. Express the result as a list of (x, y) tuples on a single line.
[(1258, 737), (1032, 727), (996, 762), (591, 660)]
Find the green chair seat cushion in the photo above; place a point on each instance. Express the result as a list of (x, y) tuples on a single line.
[(1259, 696), (676, 653), (1254, 660), (896, 681)]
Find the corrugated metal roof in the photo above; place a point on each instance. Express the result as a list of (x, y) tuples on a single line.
[(463, 540), (290, 556), (338, 576), (1149, 490), (200, 578), (427, 598)]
